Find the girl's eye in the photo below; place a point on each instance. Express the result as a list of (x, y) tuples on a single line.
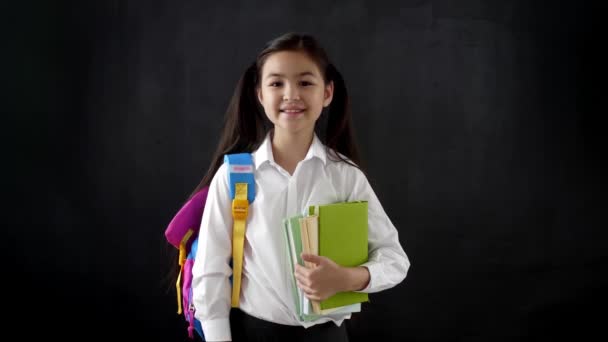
[(278, 84)]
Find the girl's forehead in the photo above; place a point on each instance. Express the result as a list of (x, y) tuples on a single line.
[(289, 63)]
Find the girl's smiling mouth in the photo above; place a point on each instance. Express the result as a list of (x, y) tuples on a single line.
[(292, 111)]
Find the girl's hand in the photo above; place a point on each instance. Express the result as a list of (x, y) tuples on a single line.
[(324, 280)]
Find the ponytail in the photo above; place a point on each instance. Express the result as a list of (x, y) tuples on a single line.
[(339, 132), (244, 126)]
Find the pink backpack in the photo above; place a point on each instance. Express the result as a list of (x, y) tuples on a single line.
[(182, 233)]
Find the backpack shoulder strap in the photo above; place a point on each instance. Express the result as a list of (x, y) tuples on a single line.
[(242, 191), (240, 170)]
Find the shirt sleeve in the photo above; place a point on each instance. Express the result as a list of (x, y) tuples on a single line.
[(387, 262), (211, 288)]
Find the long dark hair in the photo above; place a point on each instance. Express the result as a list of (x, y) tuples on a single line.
[(246, 125)]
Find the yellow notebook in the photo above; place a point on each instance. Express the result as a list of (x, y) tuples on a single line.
[(343, 235)]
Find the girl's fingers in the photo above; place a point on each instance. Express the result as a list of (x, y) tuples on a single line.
[(312, 297), (310, 294), (302, 270), (305, 288), (302, 280)]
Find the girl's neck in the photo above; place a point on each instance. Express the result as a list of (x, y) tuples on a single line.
[(289, 149)]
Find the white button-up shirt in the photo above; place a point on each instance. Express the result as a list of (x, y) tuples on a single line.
[(266, 288)]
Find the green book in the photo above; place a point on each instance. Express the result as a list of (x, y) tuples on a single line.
[(294, 235), (294, 248), (343, 236)]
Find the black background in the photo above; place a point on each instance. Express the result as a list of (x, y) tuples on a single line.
[(477, 121)]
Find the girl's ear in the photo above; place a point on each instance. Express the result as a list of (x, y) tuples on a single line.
[(258, 91), (328, 94)]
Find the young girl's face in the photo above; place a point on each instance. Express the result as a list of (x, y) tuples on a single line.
[(292, 92)]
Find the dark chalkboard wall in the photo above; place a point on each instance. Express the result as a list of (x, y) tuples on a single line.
[(477, 122)]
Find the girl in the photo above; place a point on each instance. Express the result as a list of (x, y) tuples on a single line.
[(291, 110)]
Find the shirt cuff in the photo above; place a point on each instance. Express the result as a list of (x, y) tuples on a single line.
[(217, 329), (373, 269)]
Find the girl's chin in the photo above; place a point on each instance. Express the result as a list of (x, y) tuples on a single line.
[(292, 127)]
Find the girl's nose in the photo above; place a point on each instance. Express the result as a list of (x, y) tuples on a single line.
[(291, 93)]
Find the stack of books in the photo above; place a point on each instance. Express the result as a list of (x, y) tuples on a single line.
[(339, 232)]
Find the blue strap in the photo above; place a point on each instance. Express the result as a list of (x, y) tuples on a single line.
[(193, 249), (240, 170)]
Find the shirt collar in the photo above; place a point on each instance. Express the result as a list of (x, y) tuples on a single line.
[(264, 152)]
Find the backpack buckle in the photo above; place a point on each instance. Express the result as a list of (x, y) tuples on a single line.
[(240, 208)]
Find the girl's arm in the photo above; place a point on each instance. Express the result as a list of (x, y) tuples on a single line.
[(211, 270), (387, 262)]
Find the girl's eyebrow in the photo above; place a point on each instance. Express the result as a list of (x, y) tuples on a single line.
[(305, 73)]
